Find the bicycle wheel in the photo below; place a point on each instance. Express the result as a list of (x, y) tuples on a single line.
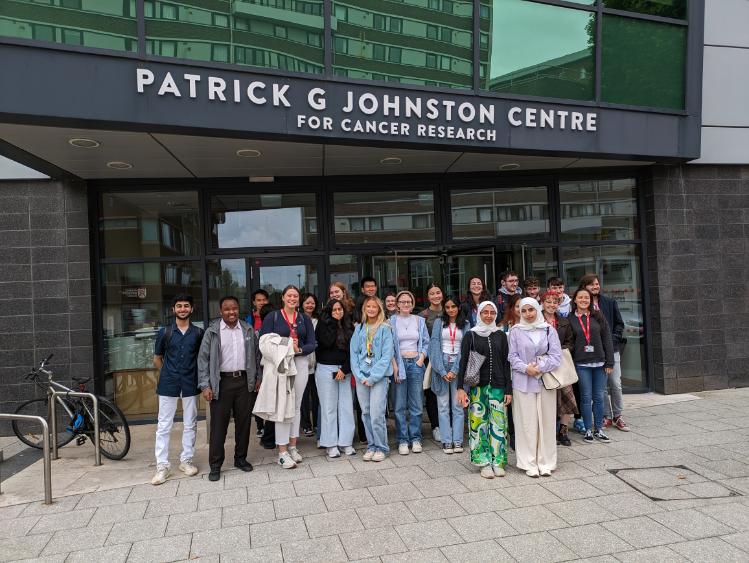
[(30, 433), (114, 432)]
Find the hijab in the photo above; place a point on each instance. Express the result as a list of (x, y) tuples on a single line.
[(481, 328), (539, 321)]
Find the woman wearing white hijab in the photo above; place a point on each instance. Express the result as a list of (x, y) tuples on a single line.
[(487, 419), (534, 349)]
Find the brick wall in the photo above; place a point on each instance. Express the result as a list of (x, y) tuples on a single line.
[(45, 285), (697, 221)]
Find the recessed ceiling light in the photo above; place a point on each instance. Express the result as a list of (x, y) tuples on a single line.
[(391, 160), (510, 166), (83, 143), (249, 153), (119, 165)]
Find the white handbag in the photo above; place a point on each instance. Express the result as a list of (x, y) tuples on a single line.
[(565, 374)]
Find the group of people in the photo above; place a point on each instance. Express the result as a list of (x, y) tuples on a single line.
[(358, 360)]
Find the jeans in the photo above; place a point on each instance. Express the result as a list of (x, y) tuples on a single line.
[(409, 396), (336, 407), (614, 399), (446, 403), (167, 409), (373, 401), (592, 388)]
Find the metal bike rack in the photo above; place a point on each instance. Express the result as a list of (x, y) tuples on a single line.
[(45, 442), (52, 407)]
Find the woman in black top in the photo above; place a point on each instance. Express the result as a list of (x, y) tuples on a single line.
[(593, 353), (487, 418), (333, 378)]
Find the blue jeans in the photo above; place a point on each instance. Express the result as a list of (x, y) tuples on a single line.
[(373, 401), (409, 395), (336, 407), (447, 402), (592, 383)]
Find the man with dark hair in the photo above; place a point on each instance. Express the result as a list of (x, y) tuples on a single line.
[(176, 358), (508, 288), (531, 287), (368, 289), (259, 298), (614, 401), (226, 376), (557, 285)]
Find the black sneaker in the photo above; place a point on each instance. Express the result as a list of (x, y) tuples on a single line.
[(600, 436), (588, 437)]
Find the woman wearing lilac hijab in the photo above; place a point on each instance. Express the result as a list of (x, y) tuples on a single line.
[(534, 349)]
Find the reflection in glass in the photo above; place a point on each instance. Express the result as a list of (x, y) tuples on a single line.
[(136, 301), (542, 265), (227, 277), (274, 279), (281, 34), (618, 268), (396, 273), (263, 220), (409, 41), (599, 209), (100, 24), (482, 213), (149, 224), (540, 50), (643, 62), (400, 217), (344, 268), (663, 8), (459, 268)]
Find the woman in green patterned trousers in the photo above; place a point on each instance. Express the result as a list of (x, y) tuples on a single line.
[(487, 401)]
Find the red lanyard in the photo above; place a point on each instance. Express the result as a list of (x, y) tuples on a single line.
[(452, 330), (554, 321), (291, 323), (586, 331)]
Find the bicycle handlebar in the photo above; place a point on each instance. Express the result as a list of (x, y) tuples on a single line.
[(45, 361)]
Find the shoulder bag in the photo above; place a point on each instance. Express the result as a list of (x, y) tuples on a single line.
[(563, 375), (473, 367)]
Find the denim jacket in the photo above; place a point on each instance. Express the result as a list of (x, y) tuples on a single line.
[(436, 357), (423, 347), (383, 353)]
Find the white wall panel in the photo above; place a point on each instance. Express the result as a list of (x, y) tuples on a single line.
[(724, 145), (725, 87), (727, 22)]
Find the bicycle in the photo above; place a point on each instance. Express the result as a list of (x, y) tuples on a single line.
[(75, 417)]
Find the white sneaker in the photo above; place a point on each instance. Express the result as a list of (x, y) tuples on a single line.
[(378, 456), (285, 460), (487, 472), (498, 471), (532, 473), (458, 448), (188, 468), (436, 434), (333, 452), (447, 448), (416, 447), (162, 474), (295, 455), (349, 450), (403, 449), (368, 455)]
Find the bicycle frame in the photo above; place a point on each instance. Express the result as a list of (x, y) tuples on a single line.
[(53, 419)]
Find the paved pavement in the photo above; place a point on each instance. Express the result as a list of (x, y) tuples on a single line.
[(676, 488)]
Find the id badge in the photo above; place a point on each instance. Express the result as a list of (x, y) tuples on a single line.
[(368, 360), (589, 348)]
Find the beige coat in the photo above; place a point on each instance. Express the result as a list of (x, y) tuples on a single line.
[(276, 398)]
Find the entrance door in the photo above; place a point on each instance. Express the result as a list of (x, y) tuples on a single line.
[(274, 274), (459, 267)]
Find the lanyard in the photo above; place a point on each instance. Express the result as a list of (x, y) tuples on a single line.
[(554, 321), (586, 331), (452, 330), (291, 323), (369, 340)]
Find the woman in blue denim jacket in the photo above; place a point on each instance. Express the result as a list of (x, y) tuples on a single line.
[(444, 356), (413, 344), (372, 351)]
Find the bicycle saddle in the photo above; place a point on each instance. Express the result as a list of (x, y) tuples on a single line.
[(81, 380)]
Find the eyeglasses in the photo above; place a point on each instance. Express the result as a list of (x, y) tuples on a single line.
[(405, 302)]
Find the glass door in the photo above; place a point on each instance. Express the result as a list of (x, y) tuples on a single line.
[(459, 267), (274, 274), (414, 272)]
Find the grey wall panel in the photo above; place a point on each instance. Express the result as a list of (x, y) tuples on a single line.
[(725, 87), (724, 145), (726, 22)]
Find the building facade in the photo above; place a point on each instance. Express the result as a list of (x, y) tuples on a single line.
[(218, 147)]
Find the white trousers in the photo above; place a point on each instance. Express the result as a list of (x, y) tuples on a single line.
[(167, 408), (287, 430), (535, 416)]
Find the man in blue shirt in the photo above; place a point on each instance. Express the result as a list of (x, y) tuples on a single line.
[(176, 358)]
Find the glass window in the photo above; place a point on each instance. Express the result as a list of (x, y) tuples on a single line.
[(391, 42), (227, 277), (273, 278), (101, 25), (541, 50), (599, 210), (280, 34), (642, 62), (502, 212), (262, 220), (618, 268), (149, 224), (136, 301), (344, 268), (663, 8), (406, 217), (542, 264)]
